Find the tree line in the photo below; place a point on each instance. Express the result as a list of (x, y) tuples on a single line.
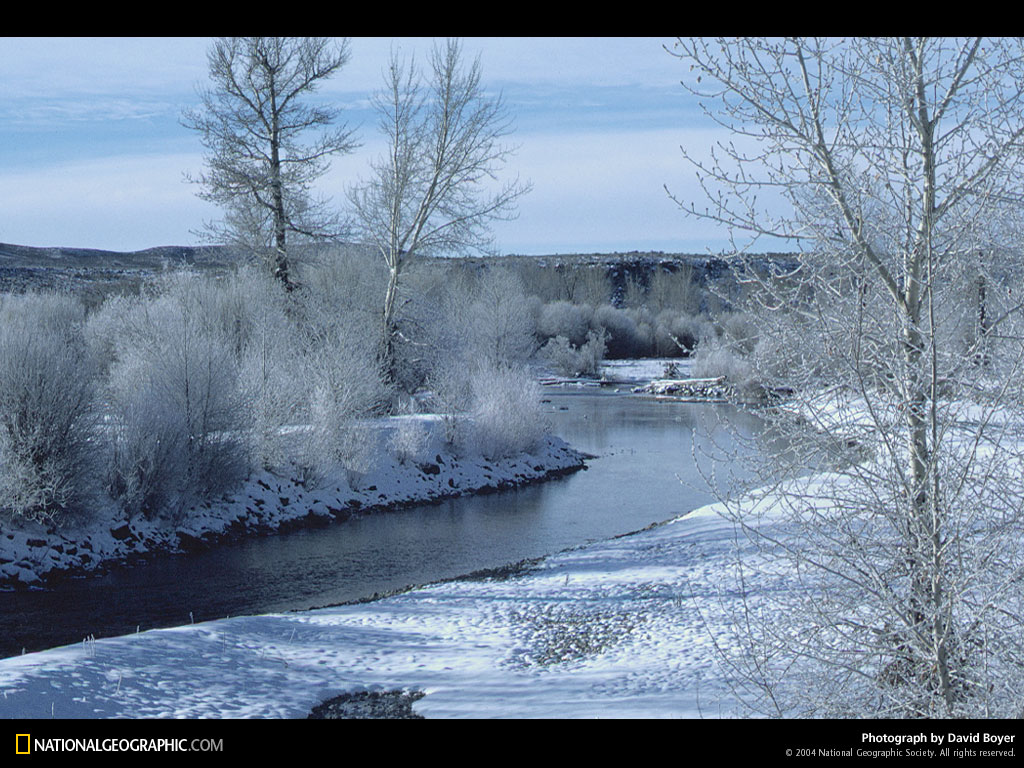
[(430, 192)]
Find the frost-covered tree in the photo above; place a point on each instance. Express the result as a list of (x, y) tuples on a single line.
[(47, 407), (256, 121), (890, 164), (434, 191)]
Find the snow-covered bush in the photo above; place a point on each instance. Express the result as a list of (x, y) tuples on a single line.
[(629, 332), (480, 319), (256, 313), (497, 325), (741, 330), (715, 359), (410, 439), (178, 425), (450, 398), (103, 326), (346, 281), (507, 415), (345, 384), (573, 361), (676, 334), (560, 318), (47, 415)]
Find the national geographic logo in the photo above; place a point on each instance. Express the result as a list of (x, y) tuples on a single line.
[(26, 745)]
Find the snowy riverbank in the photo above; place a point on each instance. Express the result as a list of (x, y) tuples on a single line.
[(614, 629), (32, 553)]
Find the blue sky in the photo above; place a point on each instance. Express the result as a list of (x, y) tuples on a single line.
[(92, 153)]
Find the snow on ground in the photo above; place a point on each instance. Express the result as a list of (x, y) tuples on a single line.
[(633, 371), (268, 502), (635, 626), (612, 629), (639, 371)]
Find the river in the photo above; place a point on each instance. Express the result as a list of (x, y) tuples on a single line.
[(644, 472)]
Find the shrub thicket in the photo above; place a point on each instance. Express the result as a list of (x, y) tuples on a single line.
[(47, 409), (176, 411), (506, 409)]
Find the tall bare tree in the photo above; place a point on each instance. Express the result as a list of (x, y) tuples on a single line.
[(253, 121), (887, 162), (435, 190)]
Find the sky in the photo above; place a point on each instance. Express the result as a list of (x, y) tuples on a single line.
[(93, 153)]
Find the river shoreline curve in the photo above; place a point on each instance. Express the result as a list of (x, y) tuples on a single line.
[(34, 555)]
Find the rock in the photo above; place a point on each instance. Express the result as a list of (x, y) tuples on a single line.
[(369, 705), (122, 532)]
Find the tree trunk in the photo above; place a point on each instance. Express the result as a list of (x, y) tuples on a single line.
[(280, 243), (388, 330), (981, 355)]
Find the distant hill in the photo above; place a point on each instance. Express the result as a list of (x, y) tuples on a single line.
[(95, 272), (13, 256)]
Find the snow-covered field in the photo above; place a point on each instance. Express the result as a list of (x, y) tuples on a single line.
[(613, 629)]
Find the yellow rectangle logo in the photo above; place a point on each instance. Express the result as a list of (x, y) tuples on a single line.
[(18, 744)]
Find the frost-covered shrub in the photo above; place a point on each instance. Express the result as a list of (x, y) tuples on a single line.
[(482, 318), (560, 318), (340, 381), (570, 360), (497, 325), (354, 280), (149, 469), (345, 385), (410, 439), (273, 389), (450, 397), (507, 415), (629, 333), (256, 314), (47, 415), (178, 424), (677, 334), (103, 328), (741, 330), (715, 359)]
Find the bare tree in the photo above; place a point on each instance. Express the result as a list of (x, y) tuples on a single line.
[(886, 161), (252, 122), (435, 191)]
